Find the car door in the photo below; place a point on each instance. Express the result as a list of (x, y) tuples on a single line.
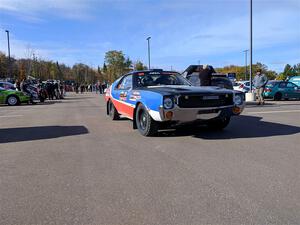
[(282, 89), (122, 93), (2, 96), (292, 90)]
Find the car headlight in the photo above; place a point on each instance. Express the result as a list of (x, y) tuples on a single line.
[(238, 100), (168, 103)]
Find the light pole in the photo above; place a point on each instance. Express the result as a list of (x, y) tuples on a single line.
[(148, 39), (250, 45), (8, 47), (246, 72)]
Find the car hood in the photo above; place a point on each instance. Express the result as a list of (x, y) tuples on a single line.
[(186, 90)]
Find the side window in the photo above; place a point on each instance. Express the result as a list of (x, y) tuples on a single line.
[(194, 79), (125, 83), (290, 85), (282, 85)]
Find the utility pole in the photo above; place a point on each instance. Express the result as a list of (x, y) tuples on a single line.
[(148, 39), (8, 47), (246, 70), (251, 46)]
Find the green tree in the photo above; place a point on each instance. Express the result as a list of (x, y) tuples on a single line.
[(138, 65), (117, 64), (288, 71), (240, 71), (297, 69)]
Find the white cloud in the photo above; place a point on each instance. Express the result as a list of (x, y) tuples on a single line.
[(271, 28), (32, 10)]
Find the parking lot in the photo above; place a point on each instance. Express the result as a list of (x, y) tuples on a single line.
[(66, 162)]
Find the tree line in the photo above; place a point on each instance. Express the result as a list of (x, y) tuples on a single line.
[(115, 64), (241, 74)]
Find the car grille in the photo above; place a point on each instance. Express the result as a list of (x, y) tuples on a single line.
[(204, 101)]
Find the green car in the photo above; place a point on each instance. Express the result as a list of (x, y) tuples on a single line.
[(12, 97), (279, 90)]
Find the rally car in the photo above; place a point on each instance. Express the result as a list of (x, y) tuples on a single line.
[(12, 97), (157, 98)]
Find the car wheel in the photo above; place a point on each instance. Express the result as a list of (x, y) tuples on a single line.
[(112, 111), (12, 100), (219, 124), (278, 96), (33, 103), (144, 122)]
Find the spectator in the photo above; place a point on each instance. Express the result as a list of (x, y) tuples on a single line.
[(103, 87), (18, 85), (23, 84), (82, 88), (205, 74), (259, 82)]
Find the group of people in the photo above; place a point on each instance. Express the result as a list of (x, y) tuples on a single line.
[(41, 90), (54, 89), (97, 87)]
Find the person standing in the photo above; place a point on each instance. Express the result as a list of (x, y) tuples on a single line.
[(18, 85), (260, 80), (205, 75)]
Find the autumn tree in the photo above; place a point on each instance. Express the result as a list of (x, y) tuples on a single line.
[(116, 64), (138, 65)]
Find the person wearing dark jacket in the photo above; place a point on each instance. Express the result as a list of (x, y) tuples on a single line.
[(205, 75)]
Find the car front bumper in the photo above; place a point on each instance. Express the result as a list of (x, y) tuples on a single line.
[(185, 115)]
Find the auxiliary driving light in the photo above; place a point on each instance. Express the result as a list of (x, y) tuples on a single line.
[(236, 110), (169, 115)]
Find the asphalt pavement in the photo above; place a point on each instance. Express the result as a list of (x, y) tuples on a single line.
[(66, 162)]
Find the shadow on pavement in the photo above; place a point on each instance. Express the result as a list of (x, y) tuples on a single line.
[(77, 97), (239, 127), (38, 133)]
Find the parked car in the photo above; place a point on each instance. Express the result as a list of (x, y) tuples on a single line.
[(157, 98), (243, 86), (7, 85), (279, 90), (295, 80), (217, 79), (221, 81), (12, 97)]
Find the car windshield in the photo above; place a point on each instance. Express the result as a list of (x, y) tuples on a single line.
[(221, 82), (145, 79)]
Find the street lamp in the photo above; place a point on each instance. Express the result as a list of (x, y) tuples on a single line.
[(8, 47), (250, 45), (246, 72), (148, 39)]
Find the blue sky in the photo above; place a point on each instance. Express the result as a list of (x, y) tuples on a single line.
[(183, 32)]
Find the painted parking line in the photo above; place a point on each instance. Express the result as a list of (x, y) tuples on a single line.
[(281, 111), (10, 116)]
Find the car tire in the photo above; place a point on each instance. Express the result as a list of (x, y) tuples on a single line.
[(278, 96), (144, 122), (219, 124), (112, 111), (13, 100)]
